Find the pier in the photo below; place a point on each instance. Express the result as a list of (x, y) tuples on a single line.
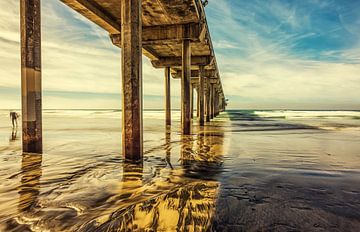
[(174, 35)]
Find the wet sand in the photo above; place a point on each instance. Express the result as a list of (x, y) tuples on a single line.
[(245, 171)]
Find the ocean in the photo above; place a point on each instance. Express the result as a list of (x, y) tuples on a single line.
[(247, 170)]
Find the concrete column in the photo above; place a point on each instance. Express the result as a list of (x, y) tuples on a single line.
[(185, 87), (211, 101), (216, 104), (30, 22), (207, 99), (201, 96), (167, 97), (132, 131), (191, 100), (197, 103)]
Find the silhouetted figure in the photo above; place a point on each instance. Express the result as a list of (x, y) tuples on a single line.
[(14, 116)]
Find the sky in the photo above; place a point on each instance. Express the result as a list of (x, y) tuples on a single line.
[(272, 54)]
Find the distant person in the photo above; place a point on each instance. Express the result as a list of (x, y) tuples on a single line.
[(14, 116)]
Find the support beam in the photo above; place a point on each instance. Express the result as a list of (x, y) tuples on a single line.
[(216, 107), (174, 61), (201, 96), (95, 13), (191, 100), (211, 101), (207, 100), (167, 97), (131, 60), (166, 34), (31, 75), (197, 102), (195, 73), (185, 87)]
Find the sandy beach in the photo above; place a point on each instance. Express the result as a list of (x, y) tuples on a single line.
[(245, 171)]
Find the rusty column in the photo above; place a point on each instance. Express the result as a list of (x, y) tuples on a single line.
[(192, 101), (216, 103), (211, 101), (197, 103), (185, 86), (201, 96), (31, 75), (207, 99), (167, 97), (132, 128)]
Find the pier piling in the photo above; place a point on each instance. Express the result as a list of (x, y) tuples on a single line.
[(131, 43), (201, 96), (167, 97), (185, 87), (30, 23)]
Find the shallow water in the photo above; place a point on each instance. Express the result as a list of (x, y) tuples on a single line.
[(245, 171)]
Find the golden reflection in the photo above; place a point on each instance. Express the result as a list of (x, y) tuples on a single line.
[(183, 201), (29, 189), (186, 149)]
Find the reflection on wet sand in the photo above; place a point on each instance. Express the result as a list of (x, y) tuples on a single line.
[(226, 176), (13, 136), (29, 190), (168, 146), (172, 202)]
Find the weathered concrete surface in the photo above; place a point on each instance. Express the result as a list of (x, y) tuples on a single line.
[(131, 63), (30, 23), (185, 89), (201, 96), (167, 97)]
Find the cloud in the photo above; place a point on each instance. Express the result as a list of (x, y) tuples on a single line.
[(278, 58), (270, 53)]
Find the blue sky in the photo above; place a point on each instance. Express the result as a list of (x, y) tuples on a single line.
[(271, 54)]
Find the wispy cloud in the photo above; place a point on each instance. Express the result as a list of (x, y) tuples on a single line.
[(288, 52), (271, 54)]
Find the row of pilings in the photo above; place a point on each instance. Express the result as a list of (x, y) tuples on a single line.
[(210, 100)]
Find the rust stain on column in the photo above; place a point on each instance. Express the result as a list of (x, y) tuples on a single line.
[(185, 87), (31, 75), (167, 97), (201, 96), (132, 128)]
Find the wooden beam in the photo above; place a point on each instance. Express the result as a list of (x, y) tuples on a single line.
[(177, 61), (185, 88), (131, 60), (30, 23), (195, 73), (167, 97), (165, 34), (91, 10), (211, 101)]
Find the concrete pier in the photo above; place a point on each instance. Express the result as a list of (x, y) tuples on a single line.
[(30, 23), (172, 38), (131, 63)]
